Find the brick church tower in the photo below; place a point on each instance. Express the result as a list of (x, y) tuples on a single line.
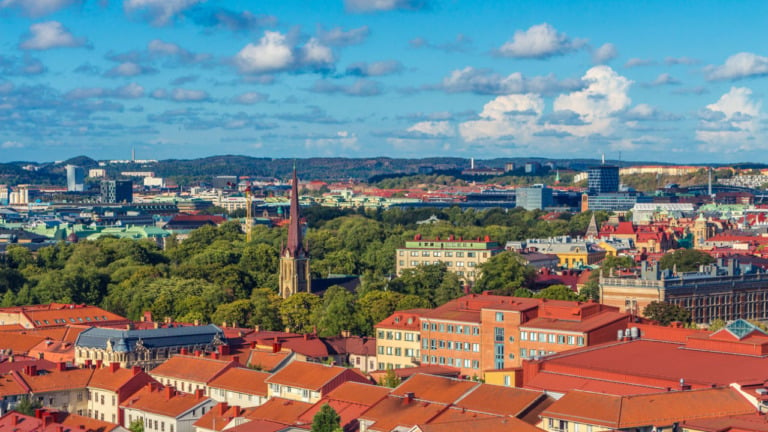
[(294, 258)]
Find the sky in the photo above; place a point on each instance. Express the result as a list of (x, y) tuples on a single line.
[(668, 81)]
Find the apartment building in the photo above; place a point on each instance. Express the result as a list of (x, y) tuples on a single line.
[(461, 256), (398, 340)]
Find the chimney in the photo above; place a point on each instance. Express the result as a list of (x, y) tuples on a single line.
[(408, 398), (169, 392), (276, 347), (196, 322), (198, 353), (136, 370), (61, 366), (99, 362), (346, 333), (157, 325), (199, 393), (14, 420), (31, 370), (39, 413), (236, 360), (222, 408), (306, 336), (114, 366), (253, 344), (59, 428), (215, 355), (224, 350), (257, 328), (89, 363), (129, 326), (183, 351), (47, 419)]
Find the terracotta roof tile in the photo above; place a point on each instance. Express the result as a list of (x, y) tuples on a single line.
[(191, 368), (492, 424), (266, 359), (745, 423), (10, 386), (498, 400), (242, 380), (113, 379), (219, 416), (394, 411), (434, 388), (58, 380), (312, 376), (162, 400), (279, 410)]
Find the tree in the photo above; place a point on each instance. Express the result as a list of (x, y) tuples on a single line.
[(390, 379), (665, 313), (266, 309), (239, 312), (27, 405), (297, 311), (326, 420), (337, 313), (685, 260), (716, 324), (504, 273), (557, 292), (136, 426), (591, 289)]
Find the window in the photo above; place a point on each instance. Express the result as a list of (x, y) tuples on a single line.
[(475, 364), (542, 337), (409, 337), (460, 264), (450, 344), (560, 339), (433, 327), (398, 335), (442, 328), (432, 344), (425, 253), (425, 326), (580, 340), (475, 331), (499, 316), (571, 340), (414, 253), (449, 254), (400, 253), (451, 328), (401, 262), (389, 350), (499, 334), (475, 347), (414, 263), (380, 334), (523, 353), (441, 343), (409, 352), (460, 254), (507, 380), (470, 254), (466, 346), (511, 338), (524, 335), (471, 264), (436, 253), (467, 363), (424, 343), (551, 338), (380, 350)]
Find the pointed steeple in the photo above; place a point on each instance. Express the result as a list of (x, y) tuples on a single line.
[(294, 246), (592, 231)]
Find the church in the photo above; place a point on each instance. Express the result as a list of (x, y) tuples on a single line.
[(294, 258)]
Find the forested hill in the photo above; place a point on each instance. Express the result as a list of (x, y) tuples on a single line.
[(189, 171)]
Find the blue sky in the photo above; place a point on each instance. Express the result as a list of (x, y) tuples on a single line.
[(678, 82)]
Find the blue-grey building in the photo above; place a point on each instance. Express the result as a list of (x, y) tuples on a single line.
[(146, 348), (602, 179), (534, 197)]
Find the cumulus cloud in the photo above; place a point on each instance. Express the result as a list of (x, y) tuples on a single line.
[(635, 62), (738, 66), (361, 87), (381, 68), (483, 81), (129, 69), (48, 35), (343, 140), (434, 128), (732, 123), (605, 53), (645, 112), (158, 12), (275, 53), (181, 95), (365, 6), (37, 8), (540, 41), (222, 18), (339, 37), (581, 113), (250, 98)]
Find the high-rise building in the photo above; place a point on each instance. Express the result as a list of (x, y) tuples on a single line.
[(116, 191), (294, 258), (536, 197), (75, 178), (603, 179)]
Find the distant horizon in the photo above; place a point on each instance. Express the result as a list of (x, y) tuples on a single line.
[(676, 82)]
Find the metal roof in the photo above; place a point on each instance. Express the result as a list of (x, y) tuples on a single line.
[(126, 340)]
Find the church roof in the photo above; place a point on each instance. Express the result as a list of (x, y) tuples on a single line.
[(126, 340)]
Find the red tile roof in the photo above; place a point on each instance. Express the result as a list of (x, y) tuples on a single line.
[(349, 400), (266, 359), (113, 378), (279, 410), (242, 380), (73, 314), (498, 400), (163, 401), (434, 389), (473, 424), (58, 380), (50, 421), (218, 417), (258, 426), (744, 423), (10, 385), (659, 409), (191, 368), (393, 411), (312, 376)]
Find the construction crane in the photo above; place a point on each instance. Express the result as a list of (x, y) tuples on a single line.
[(248, 215)]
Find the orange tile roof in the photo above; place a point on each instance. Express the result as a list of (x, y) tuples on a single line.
[(266, 359), (219, 416), (279, 410), (107, 379), (659, 409), (434, 388), (242, 380), (312, 376), (583, 326), (745, 423), (69, 422), (55, 351), (364, 394), (72, 422), (258, 426), (562, 383), (73, 314), (492, 424), (191, 368), (58, 380), (10, 386), (498, 400), (159, 402), (393, 411), (19, 343)]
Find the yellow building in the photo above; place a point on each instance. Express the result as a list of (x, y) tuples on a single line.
[(398, 341), (461, 256)]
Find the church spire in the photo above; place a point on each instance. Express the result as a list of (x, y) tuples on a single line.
[(294, 246), (592, 231)]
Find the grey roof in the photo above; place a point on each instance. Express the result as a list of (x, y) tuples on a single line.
[(125, 340)]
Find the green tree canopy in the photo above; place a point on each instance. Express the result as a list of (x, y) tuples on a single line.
[(297, 311), (504, 273), (685, 259), (326, 420), (665, 313)]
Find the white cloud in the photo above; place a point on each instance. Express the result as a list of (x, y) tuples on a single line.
[(129, 69), (338, 37), (482, 81), (539, 41), (732, 123), (250, 98), (434, 128), (606, 94), (317, 55), (342, 140), (48, 35), (161, 48), (664, 79), (37, 8), (362, 6), (635, 62), (738, 66), (363, 69), (11, 145), (271, 54), (512, 115), (605, 53), (159, 12)]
